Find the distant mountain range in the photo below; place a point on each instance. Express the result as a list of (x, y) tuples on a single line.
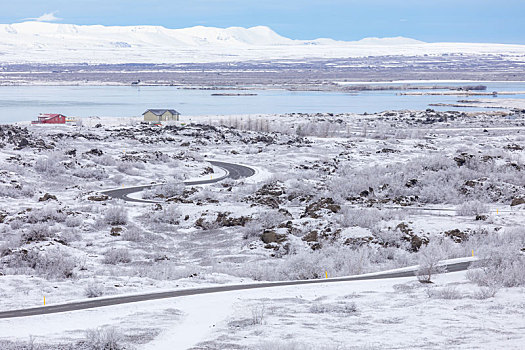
[(37, 42)]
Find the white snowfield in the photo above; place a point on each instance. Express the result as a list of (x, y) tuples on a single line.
[(37, 42)]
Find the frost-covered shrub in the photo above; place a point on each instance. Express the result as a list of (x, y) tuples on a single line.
[(270, 218), (133, 234), (73, 221), (166, 270), (307, 264), (116, 215), (105, 160), (127, 168), (37, 233), (93, 290), (252, 229), (116, 256), (170, 214), (16, 224), (102, 339), (117, 179), (167, 190), (69, 235), (501, 263), (90, 173), (52, 263), (50, 165), (56, 264), (294, 345), (486, 292), (49, 212), (18, 191), (365, 217), (472, 208), (339, 308)]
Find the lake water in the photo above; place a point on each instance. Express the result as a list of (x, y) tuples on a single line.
[(19, 103)]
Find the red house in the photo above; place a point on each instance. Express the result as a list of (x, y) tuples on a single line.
[(50, 119)]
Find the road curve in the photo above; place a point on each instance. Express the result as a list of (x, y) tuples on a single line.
[(96, 303), (233, 171)]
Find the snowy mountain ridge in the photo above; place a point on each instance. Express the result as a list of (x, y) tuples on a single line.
[(193, 36), (39, 42)]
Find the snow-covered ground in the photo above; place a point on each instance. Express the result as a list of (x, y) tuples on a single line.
[(37, 42), (390, 313), (333, 194)]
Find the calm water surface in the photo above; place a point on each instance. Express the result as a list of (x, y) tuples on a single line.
[(19, 103)]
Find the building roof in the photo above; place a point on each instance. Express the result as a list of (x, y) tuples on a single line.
[(50, 115), (160, 112)]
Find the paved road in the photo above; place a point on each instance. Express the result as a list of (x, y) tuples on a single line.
[(95, 303), (233, 171)]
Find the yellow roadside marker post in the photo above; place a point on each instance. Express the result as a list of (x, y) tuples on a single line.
[(44, 300), (472, 252), (326, 274)]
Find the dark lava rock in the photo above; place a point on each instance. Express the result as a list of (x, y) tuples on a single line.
[(313, 236), (517, 201), (100, 198), (115, 231), (224, 220), (456, 235), (47, 197), (23, 143), (95, 152), (328, 204), (270, 236)]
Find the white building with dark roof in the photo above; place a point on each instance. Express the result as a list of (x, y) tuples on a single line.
[(161, 115)]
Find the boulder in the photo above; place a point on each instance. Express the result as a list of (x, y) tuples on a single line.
[(47, 197)]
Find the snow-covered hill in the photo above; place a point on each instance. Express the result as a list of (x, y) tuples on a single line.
[(68, 43)]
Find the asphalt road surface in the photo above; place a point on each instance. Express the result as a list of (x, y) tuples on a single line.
[(233, 171), (96, 303)]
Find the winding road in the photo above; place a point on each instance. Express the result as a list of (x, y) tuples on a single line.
[(233, 171), (95, 303)]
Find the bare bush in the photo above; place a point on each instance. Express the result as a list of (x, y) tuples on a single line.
[(116, 256), (472, 208), (103, 339), (258, 314), (448, 293), (93, 290), (429, 258), (116, 215)]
